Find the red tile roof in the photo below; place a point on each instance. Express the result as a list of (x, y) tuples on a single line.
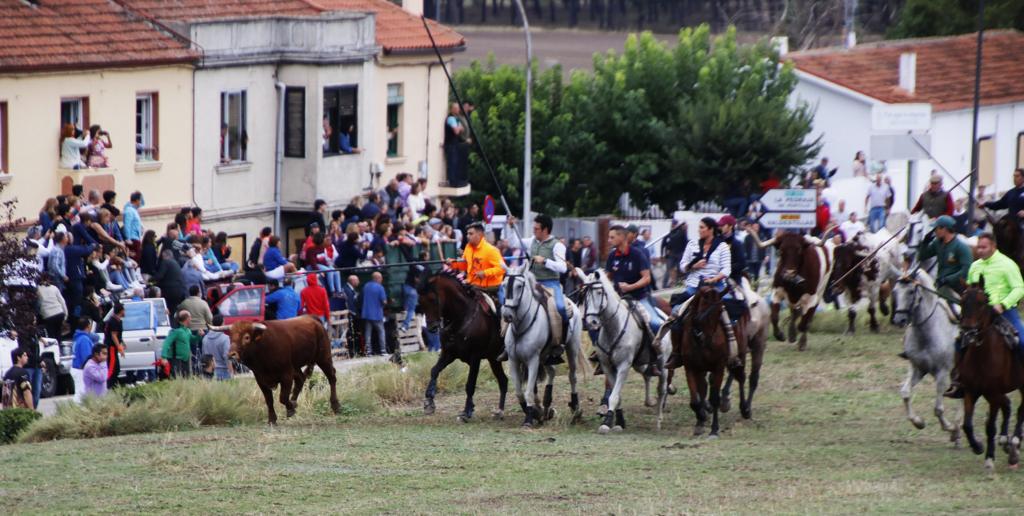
[(182, 10), (82, 34), (945, 69), (397, 29)]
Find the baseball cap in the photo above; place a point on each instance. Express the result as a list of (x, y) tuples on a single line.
[(727, 220), (632, 228), (945, 222), (434, 221)]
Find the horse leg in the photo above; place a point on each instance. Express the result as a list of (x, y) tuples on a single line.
[(614, 399), (883, 298), (442, 362), (268, 397), (533, 416), (467, 412), (941, 383), (914, 376), (1005, 408), (285, 394), (573, 351), (994, 405), (805, 324), (662, 394), (671, 389), (502, 378), (515, 369), (794, 313), (648, 402), (1017, 431), (968, 424), (725, 404), (549, 413), (776, 331), (756, 359), (610, 381), (714, 399), (851, 319), (696, 402), (741, 378)]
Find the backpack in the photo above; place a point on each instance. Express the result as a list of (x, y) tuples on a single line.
[(9, 397)]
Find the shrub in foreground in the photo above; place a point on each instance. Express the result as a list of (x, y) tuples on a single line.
[(13, 421)]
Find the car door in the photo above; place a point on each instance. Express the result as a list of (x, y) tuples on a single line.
[(243, 304), (139, 334)]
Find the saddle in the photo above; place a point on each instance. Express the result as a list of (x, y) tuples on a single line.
[(1009, 334), (559, 328), (645, 354)]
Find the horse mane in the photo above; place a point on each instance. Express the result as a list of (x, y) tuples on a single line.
[(606, 284), (454, 276)]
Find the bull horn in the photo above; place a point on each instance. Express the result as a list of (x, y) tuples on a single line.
[(761, 244), (259, 326), (219, 328)]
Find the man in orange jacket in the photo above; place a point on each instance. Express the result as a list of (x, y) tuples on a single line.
[(484, 266)]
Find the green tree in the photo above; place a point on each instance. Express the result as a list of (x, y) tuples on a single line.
[(922, 18)]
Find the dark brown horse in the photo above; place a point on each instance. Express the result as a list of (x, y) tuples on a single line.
[(989, 369), (704, 349), (469, 332), (1009, 239)]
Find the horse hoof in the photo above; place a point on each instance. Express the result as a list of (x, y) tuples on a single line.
[(1013, 467), (698, 431), (802, 345), (990, 465), (428, 408), (712, 437), (549, 414), (780, 337), (671, 390), (498, 415), (1003, 440), (1015, 441), (725, 405), (602, 410), (617, 429), (527, 425), (650, 403), (875, 329), (463, 418), (978, 450), (746, 412), (603, 429), (917, 422), (289, 413)]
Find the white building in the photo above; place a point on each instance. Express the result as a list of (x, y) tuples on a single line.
[(846, 84)]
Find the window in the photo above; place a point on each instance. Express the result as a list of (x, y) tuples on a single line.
[(239, 249), (986, 161), (395, 101), (146, 127), (340, 114), (1020, 151), (295, 122), (4, 167), (75, 111), (233, 138)]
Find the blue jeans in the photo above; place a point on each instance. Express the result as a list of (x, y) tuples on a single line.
[(117, 277), (556, 286), (410, 298), (1011, 315), (229, 266), (876, 218), (35, 376), (333, 279), (221, 373), (373, 332), (652, 311), (433, 341)]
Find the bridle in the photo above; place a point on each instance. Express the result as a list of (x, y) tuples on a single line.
[(597, 287), (512, 278)]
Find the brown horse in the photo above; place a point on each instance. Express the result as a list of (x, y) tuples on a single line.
[(1009, 240), (989, 369), (704, 349), (469, 332)]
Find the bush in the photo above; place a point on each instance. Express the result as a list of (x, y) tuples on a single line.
[(13, 421)]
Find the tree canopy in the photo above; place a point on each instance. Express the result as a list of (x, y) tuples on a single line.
[(662, 124), (922, 18)]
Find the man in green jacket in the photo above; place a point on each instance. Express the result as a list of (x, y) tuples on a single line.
[(953, 257), (1003, 286), (178, 346)]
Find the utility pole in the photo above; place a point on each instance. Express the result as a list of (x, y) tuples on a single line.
[(528, 132), (971, 202), (849, 23)]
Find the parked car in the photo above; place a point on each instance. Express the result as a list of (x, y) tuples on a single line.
[(56, 372), (145, 326)]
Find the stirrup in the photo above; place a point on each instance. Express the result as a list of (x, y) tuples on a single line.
[(955, 391), (503, 357)]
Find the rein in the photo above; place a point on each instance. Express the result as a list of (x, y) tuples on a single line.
[(536, 312), (598, 313)]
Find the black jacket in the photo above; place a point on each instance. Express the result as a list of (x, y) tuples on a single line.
[(739, 258), (168, 278)]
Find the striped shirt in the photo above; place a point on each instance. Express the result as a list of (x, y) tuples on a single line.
[(718, 263)]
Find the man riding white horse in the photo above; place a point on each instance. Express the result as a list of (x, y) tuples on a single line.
[(707, 260), (630, 272), (547, 263)]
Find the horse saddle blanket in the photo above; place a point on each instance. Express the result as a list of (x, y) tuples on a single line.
[(645, 354), (1009, 334), (546, 298)]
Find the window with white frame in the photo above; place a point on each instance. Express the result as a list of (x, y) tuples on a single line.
[(233, 136), (146, 116), (395, 101), (72, 111)]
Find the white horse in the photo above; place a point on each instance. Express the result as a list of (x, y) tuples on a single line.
[(617, 346), (526, 346), (757, 343), (927, 344)]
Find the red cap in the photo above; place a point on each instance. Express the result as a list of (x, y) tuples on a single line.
[(727, 220)]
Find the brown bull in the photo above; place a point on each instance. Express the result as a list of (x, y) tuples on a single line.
[(276, 352), (801, 276)]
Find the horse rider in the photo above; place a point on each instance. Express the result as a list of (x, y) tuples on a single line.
[(630, 271), (1004, 288), (708, 260), (547, 263), (1013, 200), (738, 258), (934, 202), (484, 266), (952, 257)]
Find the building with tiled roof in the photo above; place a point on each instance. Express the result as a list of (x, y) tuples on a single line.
[(87, 62), (398, 29), (854, 90)]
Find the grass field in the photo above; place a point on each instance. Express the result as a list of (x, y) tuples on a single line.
[(828, 436)]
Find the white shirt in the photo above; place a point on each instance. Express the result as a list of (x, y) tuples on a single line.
[(851, 229), (417, 203), (720, 262), (559, 264), (878, 195), (70, 151)]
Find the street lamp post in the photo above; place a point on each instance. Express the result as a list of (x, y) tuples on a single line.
[(971, 202), (528, 132)]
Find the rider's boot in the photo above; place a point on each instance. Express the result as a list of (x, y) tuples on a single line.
[(555, 357), (503, 357), (734, 359), (955, 390)]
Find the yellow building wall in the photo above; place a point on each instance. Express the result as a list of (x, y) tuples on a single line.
[(33, 104)]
